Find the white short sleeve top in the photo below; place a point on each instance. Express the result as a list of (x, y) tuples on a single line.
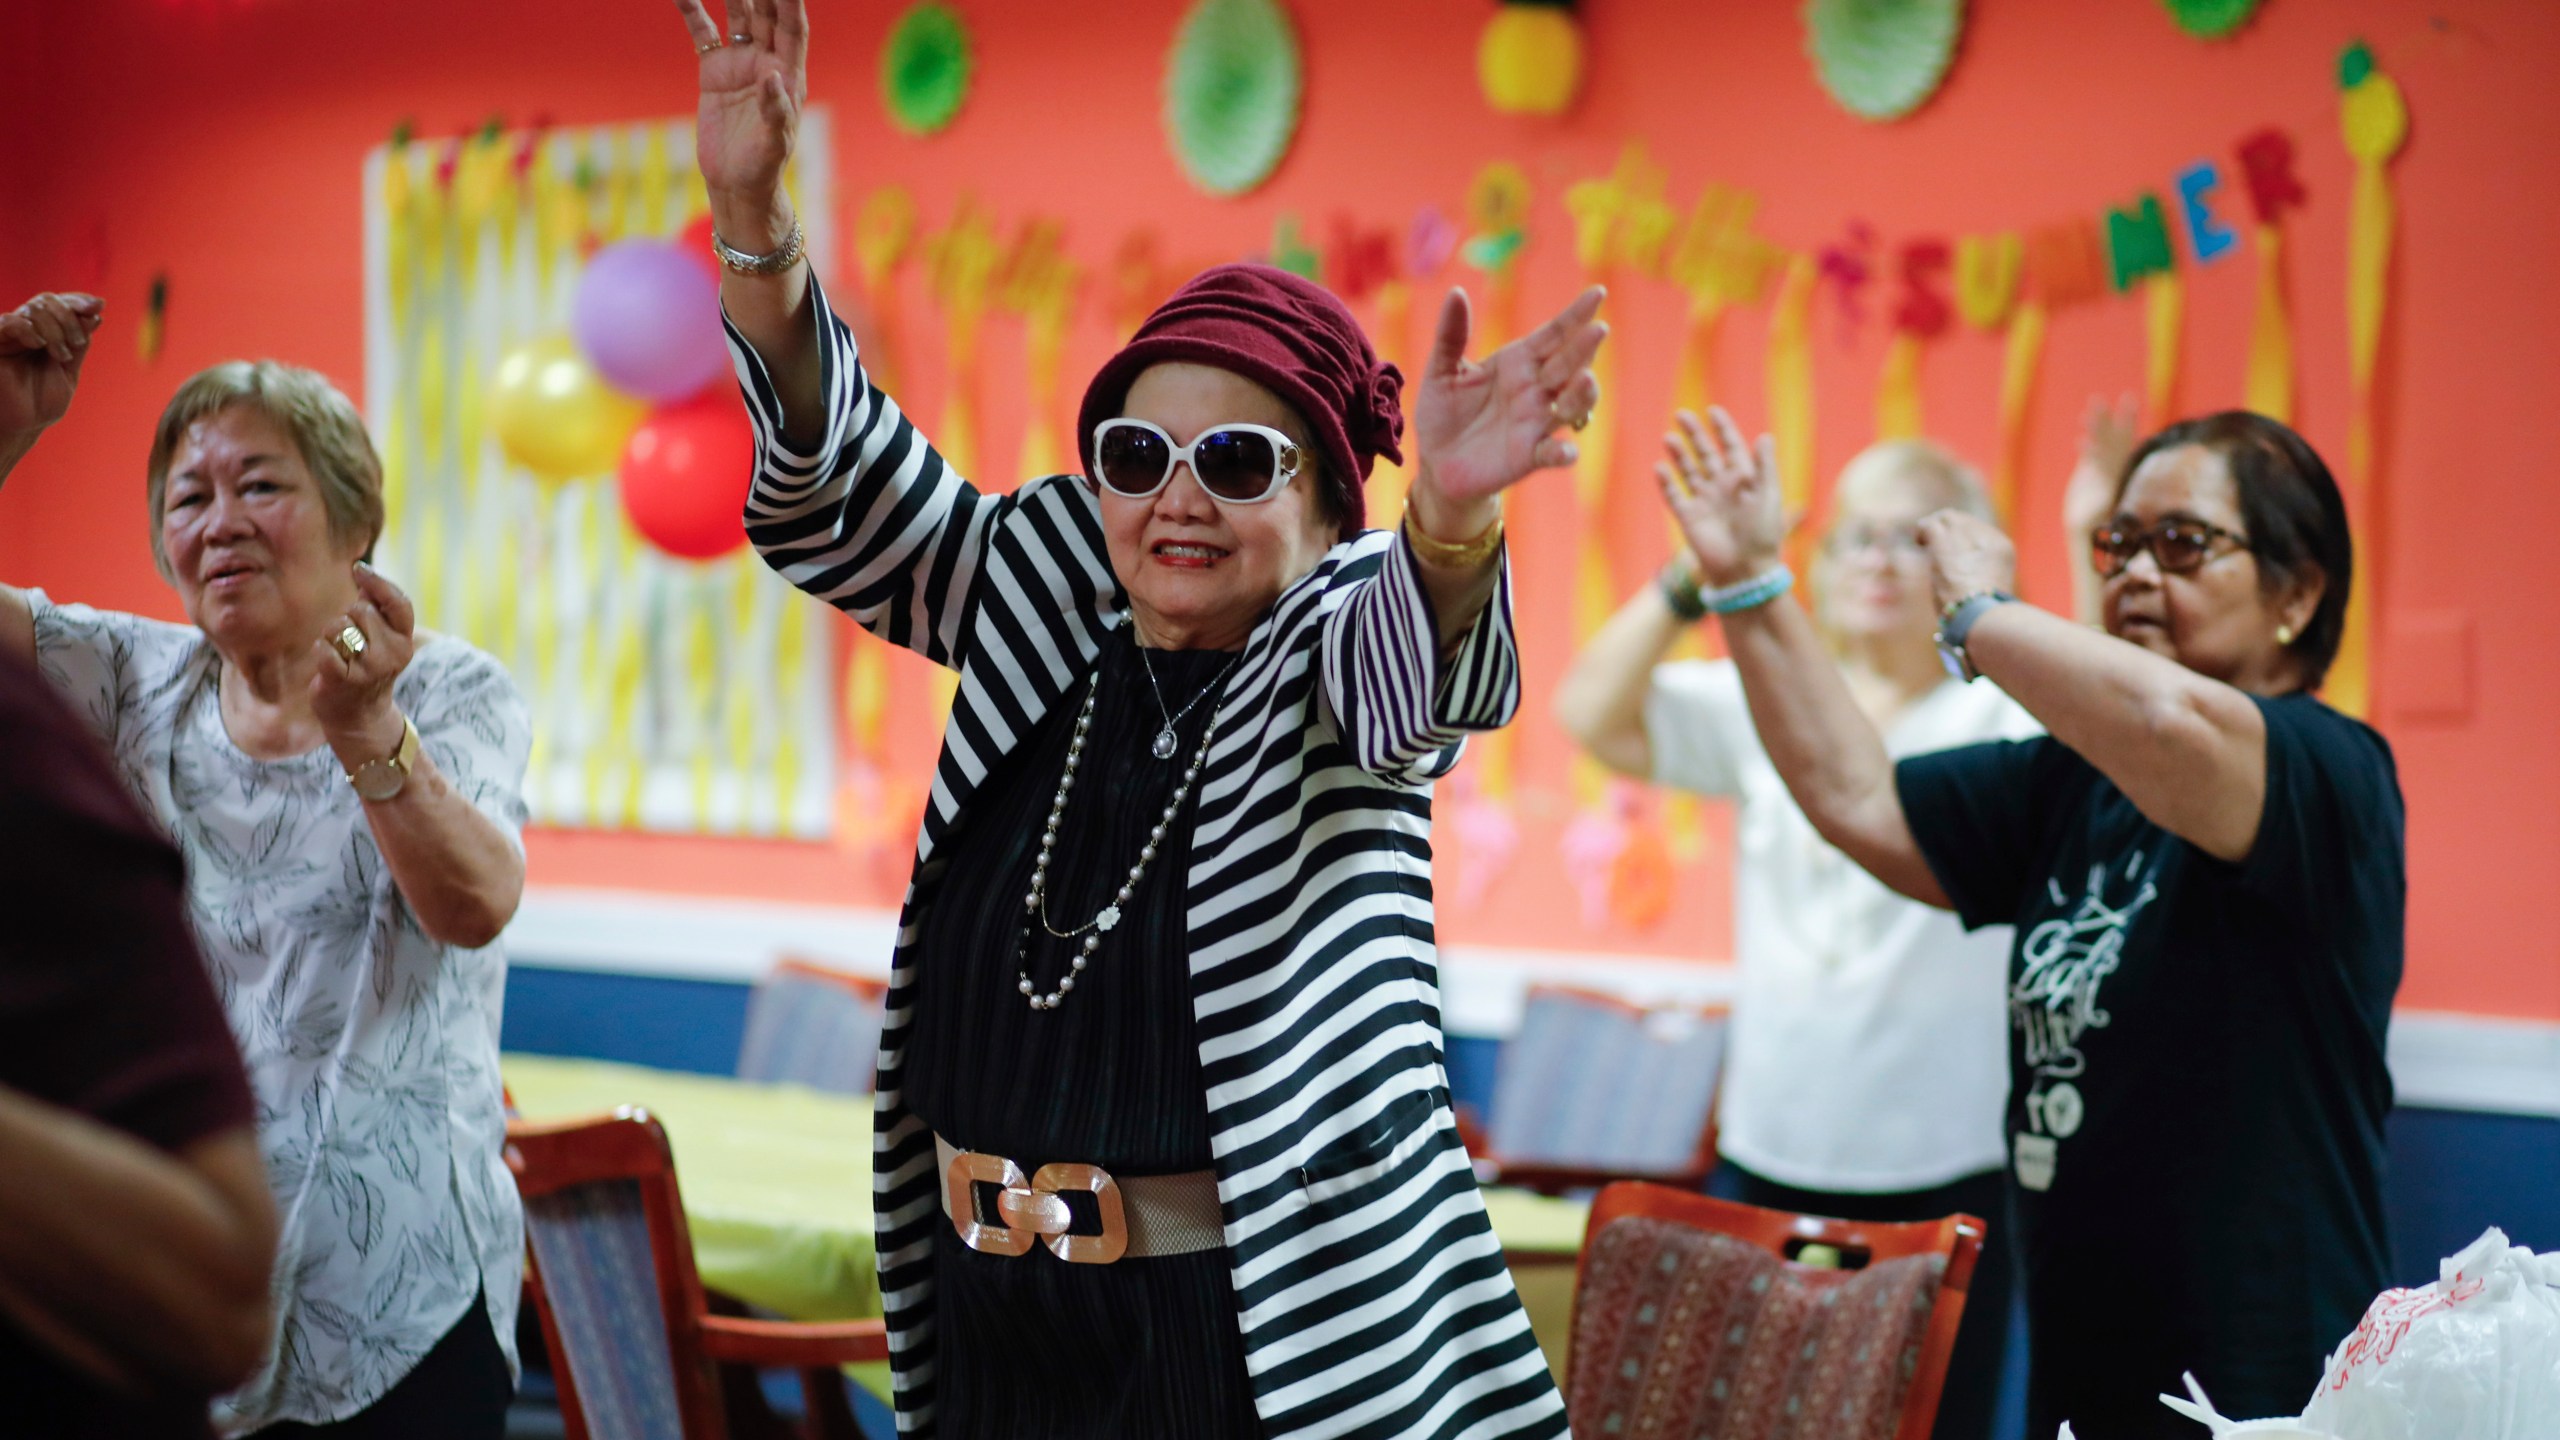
[(371, 1047), (1869, 1049)]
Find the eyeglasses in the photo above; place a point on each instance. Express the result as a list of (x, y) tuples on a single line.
[(2178, 547), (1237, 464), (1898, 542)]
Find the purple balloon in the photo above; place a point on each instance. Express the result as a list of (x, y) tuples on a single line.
[(647, 316)]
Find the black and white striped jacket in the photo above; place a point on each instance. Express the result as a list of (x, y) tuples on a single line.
[(1370, 1290)]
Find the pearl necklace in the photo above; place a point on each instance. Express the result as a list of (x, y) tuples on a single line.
[(1035, 900)]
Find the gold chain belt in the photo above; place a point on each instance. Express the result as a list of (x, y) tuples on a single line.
[(1141, 1216)]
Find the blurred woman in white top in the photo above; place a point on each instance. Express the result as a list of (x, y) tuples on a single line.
[(1867, 1070)]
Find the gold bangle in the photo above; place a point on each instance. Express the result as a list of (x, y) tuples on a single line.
[(739, 262), (1465, 556)]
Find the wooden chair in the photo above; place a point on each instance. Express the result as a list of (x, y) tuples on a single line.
[(1593, 1089), (815, 1026), (632, 1340), (1700, 1317)]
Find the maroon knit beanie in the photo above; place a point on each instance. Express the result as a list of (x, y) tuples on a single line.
[(1290, 336)]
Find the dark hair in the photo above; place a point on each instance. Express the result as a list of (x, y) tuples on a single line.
[(2290, 505)]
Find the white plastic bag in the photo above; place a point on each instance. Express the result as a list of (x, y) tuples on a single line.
[(2475, 1356), (2202, 1412)]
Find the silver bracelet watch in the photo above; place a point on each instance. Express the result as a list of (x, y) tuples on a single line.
[(1955, 625)]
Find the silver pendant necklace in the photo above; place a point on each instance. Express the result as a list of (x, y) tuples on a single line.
[(1166, 741), (1035, 901)]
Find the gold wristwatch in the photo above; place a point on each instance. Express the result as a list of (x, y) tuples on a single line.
[(382, 779)]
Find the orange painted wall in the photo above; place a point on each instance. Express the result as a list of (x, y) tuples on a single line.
[(220, 140)]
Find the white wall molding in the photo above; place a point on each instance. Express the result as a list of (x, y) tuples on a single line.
[(688, 937), (2439, 1060), (2447, 1061)]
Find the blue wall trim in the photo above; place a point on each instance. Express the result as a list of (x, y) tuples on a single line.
[(2453, 1173), (638, 1019)]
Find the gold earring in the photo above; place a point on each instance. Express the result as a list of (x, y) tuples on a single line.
[(2284, 634)]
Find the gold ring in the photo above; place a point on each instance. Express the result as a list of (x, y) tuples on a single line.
[(350, 642), (1581, 420), (705, 49)]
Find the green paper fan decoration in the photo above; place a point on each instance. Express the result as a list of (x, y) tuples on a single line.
[(1231, 92), (2211, 19), (1881, 58), (924, 69)]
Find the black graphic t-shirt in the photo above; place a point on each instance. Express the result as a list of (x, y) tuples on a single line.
[(2196, 1069)]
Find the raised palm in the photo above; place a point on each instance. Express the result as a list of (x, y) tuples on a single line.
[(2108, 435), (753, 80), (1482, 426), (1725, 494)]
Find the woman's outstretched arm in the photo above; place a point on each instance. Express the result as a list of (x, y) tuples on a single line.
[(1725, 494), (1425, 652), (42, 345), (746, 125), (849, 501)]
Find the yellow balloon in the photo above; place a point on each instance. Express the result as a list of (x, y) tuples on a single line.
[(554, 415), (1529, 59)]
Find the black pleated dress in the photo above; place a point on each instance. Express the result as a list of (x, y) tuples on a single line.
[(1032, 1345)]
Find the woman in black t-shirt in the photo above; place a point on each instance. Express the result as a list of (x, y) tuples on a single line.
[(2204, 867)]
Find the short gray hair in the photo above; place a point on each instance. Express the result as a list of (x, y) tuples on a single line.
[(1944, 478), (322, 422)]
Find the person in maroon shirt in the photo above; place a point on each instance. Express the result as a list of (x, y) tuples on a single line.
[(136, 1231)]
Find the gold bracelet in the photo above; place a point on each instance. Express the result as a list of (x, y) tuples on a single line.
[(739, 262), (1446, 556)]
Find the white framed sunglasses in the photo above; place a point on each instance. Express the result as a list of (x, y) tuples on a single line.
[(1237, 463)]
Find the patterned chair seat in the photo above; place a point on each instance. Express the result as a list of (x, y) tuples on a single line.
[(1684, 1329)]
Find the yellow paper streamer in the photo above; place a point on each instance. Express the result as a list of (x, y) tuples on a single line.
[(1898, 389), (1392, 329), (2164, 309), (1790, 389), (2270, 380), (2375, 122), (1988, 268), (791, 638), (2019, 360), (746, 596), (398, 233), (1498, 212), (630, 681), (961, 262), (702, 689), (1039, 284), (1621, 224)]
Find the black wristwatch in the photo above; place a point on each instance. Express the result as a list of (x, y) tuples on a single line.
[(1955, 623)]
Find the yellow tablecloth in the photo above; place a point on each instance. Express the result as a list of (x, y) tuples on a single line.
[(776, 1178), (777, 1187)]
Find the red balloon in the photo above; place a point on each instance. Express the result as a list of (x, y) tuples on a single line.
[(685, 474)]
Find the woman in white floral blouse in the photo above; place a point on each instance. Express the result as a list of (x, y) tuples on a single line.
[(348, 796)]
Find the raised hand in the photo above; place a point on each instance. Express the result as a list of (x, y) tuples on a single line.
[(1726, 495), (2107, 438), (754, 80), (351, 693), (1968, 556), (42, 346), (1481, 427)]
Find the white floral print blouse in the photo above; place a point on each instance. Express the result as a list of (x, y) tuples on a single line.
[(373, 1049)]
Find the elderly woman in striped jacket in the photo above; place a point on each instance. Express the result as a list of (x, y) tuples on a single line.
[(1164, 1140)]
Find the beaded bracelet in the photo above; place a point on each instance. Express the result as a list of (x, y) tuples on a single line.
[(1447, 556), (1680, 591), (1751, 594)]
